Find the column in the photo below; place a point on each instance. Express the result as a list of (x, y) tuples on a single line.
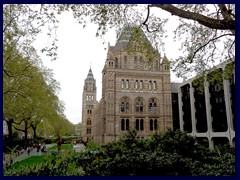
[(180, 108), (193, 110), (208, 112), (228, 106)]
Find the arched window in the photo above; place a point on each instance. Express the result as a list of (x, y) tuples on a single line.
[(141, 84), (150, 85), (125, 106), (125, 61), (141, 60), (127, 82), (136, 84), (155, 107), (154, 85), (139, 105), (152, 105), (88, 121), (122, 107), (135, 60), (122, 83)]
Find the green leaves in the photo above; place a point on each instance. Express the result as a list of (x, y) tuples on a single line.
[(173, 153)]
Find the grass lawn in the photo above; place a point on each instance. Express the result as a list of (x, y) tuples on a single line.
[(30, 161), (34, 160)]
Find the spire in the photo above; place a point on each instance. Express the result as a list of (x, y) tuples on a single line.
[(90, 74), (165, 59)]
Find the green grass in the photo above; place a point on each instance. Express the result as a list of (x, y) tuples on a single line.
[(33, 160)]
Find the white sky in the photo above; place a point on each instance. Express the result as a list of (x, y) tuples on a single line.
[(79, 48)]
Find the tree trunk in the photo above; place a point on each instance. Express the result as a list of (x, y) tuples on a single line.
[(34, 131), (26, 131), (10, 132)]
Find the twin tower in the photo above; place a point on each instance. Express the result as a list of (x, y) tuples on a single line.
[(136, 92)]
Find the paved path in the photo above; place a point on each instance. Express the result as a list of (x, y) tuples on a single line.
[(24, 155), (78, 147)]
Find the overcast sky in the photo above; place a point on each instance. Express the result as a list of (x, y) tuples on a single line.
[(78, 49)]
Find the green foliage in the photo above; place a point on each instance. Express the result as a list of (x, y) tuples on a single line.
[(60, 165), (229, 71), (173, 153)]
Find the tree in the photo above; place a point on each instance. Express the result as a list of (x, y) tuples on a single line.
[(206, 32)]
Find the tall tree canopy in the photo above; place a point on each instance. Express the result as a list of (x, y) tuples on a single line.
[(29, 89), (206, 31)]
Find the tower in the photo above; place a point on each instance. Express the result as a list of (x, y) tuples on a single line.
[(88, 104), (136, 91)]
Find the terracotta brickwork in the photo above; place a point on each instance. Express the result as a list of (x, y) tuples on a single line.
[(136, 93)]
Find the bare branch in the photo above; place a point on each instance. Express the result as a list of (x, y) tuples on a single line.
[(145, 22), (203, 20), (213, 39)]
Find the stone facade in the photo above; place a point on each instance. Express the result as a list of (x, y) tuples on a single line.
[(136, 94)]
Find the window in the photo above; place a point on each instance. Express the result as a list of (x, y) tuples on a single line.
[(125, 61), (89, 111), (152, 105), (127, 82), (154, 85), (155, 107), (141, 84), (124, 124), (125, 105), (141, 125), (150, 85), (116, 59), (88, 121), (135, 60), (122, 83), (137, 124), (88, 130), (153, 124), (136, 84), (127, 124), (141, 60), (139, 105)]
